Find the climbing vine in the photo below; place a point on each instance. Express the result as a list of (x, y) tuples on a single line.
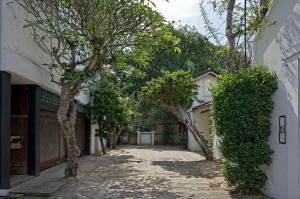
[(242, 106)]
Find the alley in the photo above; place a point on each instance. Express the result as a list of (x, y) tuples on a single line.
[(145, 172)]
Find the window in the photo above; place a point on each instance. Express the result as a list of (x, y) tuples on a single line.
[(206, 84)]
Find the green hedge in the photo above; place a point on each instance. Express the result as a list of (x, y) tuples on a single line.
[(242, 106)]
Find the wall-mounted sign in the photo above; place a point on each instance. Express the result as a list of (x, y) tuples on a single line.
[(15, 142), (282, 129)]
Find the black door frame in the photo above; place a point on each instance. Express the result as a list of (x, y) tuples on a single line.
[(5, 112)]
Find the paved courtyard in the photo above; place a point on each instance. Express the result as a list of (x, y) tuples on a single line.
[(145, 172)]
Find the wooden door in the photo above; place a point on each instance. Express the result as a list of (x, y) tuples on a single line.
[(49, 140), (19, 130)]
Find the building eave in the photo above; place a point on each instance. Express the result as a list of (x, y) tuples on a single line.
[(203, 105), (208, 72)]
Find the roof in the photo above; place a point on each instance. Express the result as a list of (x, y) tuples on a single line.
[(208, 72), (201, 106)]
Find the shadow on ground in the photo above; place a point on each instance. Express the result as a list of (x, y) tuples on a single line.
[(198, 169), (142, 173), (115, 177)]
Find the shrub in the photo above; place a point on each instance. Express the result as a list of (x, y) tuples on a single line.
[(242, 106), (183, 138), (147, 126), (167, 135)]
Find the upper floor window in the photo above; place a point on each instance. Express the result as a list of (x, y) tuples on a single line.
[(206, 85)]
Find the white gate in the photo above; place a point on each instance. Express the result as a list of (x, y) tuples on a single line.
[(145, 138)]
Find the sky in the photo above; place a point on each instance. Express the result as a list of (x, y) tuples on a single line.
[(188, 12)]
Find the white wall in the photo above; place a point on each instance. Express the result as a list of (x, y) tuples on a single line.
[(93, 141), (192, 143), (202, 121), (279, 49), (203, 84), (19, 55)]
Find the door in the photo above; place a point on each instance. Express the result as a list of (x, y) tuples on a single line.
[(80, 133), (146, 138), (19, 132), (49, 140)]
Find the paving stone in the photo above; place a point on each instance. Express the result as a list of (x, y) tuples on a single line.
[(136, 172), (43, 186)]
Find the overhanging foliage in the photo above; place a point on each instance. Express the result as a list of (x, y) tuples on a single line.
[(172, 89), (108, 108), (82, 37)]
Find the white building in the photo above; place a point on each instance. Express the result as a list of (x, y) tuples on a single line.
[(279, 49), (28, 104), (200, 111)]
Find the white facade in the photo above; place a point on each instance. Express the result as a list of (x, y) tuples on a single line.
[(20, 56), (279, 49), (204, 82), (200, 110)]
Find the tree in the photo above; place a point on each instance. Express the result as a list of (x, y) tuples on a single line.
[(243, 20), (109, 110), (192, 51), (189, 50), (82, 37), (175, 92), (195, 53), (123, 119)]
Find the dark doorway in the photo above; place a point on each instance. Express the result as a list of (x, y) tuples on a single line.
[(19, 130)]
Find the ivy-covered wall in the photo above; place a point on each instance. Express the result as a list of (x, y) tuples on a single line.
[(242, 107)]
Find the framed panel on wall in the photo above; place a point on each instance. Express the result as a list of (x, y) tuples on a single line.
[(282, 129)]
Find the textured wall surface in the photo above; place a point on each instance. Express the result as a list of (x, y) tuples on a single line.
[(279, 49), (19, 55)]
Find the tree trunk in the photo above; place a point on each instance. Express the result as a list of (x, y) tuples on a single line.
[(118, 134), (66, 116), (113, 140), (115, 135), (203, 143), (102, 145), (230, 63), (199, 137)]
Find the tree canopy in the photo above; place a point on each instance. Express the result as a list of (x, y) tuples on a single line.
[(82, 37), (196, 54), (110, 110), (171, 90), (192, 52), (108, 107)]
